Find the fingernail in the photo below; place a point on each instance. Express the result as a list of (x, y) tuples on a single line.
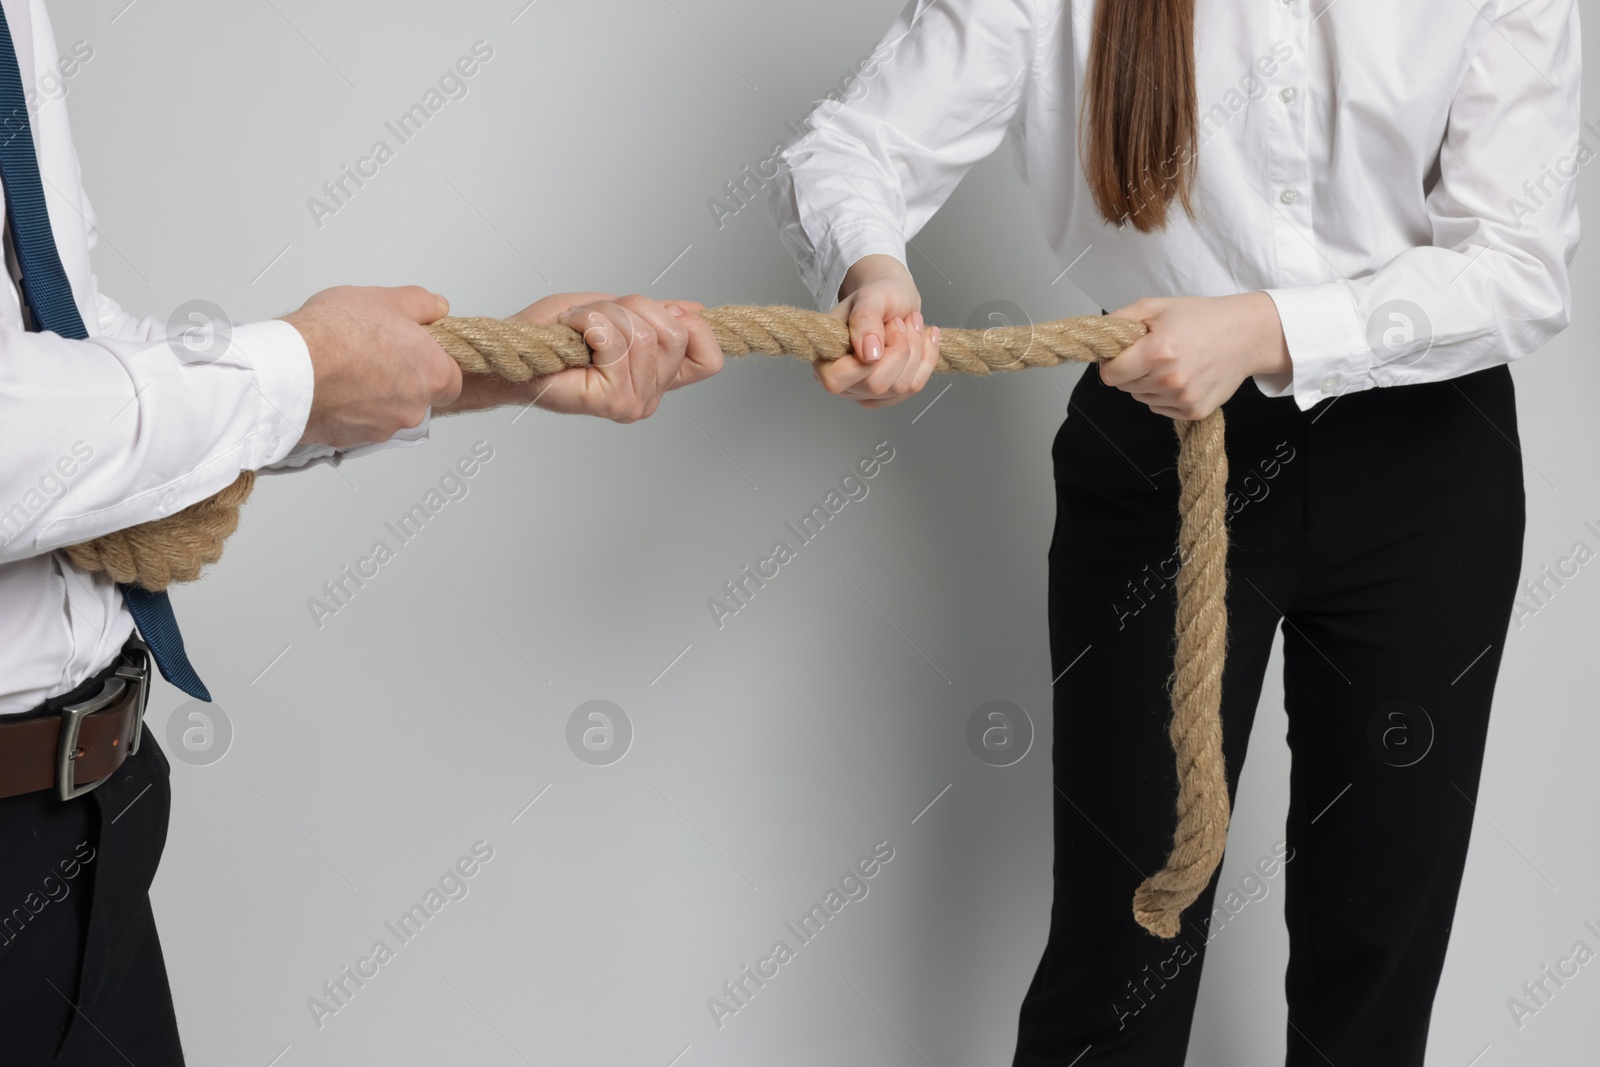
[(874, 349), (677, 312), (935, 335), (919, 321)]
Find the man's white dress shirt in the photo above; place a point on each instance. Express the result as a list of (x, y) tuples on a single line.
[(103, 434), (1391, 174)]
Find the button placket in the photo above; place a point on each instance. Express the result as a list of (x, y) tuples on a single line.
[(1288, 168)]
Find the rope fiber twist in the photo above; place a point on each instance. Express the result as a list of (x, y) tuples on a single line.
[(177, 548)]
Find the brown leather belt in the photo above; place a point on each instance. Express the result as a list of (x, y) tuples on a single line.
[(77, 747)]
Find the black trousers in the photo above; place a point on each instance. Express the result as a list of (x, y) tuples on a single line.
[(1384, 530), (82, 979)]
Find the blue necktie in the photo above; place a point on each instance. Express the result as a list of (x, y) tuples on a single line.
[(49, 296)]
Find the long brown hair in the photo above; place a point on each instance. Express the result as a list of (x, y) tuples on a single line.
[(1141, 111)]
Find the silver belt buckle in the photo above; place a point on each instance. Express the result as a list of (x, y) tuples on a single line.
[(72, 717)]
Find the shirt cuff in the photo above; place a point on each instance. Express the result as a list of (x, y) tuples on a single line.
[(305, 454), (278, 354), (286, 381), (1327, 344), (843, 248)]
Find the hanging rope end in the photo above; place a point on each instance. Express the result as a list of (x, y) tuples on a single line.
[(1155, 912)]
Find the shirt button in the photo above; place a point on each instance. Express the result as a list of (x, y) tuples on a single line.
[(1286, 95), (1330, 384), (1288, 196)]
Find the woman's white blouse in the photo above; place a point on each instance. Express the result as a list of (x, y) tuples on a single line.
[(1400, 178)]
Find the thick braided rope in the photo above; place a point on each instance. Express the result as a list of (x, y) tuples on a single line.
[(1196, 684), (176, 548), (519, 351)]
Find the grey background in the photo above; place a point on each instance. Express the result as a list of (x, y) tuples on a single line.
[(370, 754)]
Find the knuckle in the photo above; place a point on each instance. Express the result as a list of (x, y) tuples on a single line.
[(413, 298), (866, 315), (442, 375)]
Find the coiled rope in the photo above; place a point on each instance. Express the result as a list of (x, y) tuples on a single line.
[(178, 547)]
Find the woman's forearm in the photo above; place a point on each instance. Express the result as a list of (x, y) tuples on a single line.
[(873, 269)]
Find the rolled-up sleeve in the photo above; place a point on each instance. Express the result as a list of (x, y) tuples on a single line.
[(104, 434), (880, 159), (1493, 285)]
